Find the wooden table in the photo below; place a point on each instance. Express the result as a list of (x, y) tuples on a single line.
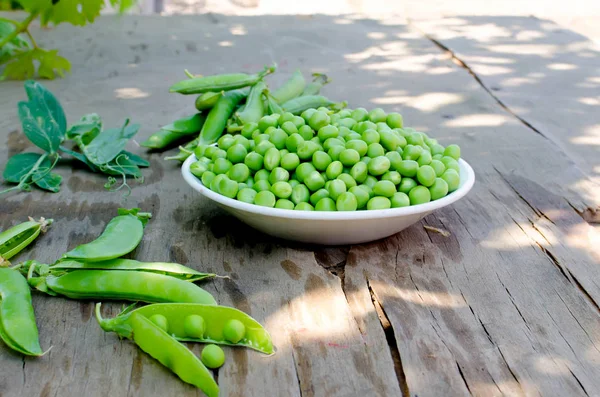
[(506, 304)]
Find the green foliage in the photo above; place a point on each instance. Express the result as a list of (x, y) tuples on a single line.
[(20, 54)]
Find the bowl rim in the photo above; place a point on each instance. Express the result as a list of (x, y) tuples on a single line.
[(463, 189)]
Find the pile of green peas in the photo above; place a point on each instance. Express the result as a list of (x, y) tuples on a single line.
[(329, 161)]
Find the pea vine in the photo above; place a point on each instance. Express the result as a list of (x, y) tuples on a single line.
[(19, 51)]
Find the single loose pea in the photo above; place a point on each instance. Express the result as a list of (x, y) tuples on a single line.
[(219, 154), (335, 188), (272, 159), (281, 189), (439, 189), (261, 185), (284, 204), (228, 188), (425, 158), (248, 129), (289, 127), (261, 175), (334, 169), (399, 200), (264, 198), (349, 157), (348, 180), (392, 176), (293, 141), (359, 145), (279, 174), (452, 151), (198, 168), (239, 172), (328, 131), (450, 163), (306, 132), (346, 202), (246, 195), (303, 170), (307, 113), (451, 177), (379, 165), (375, 150), (266, 122), (212, 356), (408, 168), (359, 172), (438, 167), (300, 194), (360, 114), (325, 204), (411, 152), (221, 166), (225, 142), (307, 149), (234, 330), (318, 196), (419, 195), (314, 181), (384, 188), (304, 207), (361, 194), (406, 185), (394, 120), (379, 203), (160, 321), (290, 161), (194, 326), (318, 120), (426, 175), (262, 147), (207, 178), (377, 115)]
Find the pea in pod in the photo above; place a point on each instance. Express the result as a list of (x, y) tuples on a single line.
[(207, 100), (314, 88), (220, 82), (121, 285), (210, 329), (185, 151), (254, 108), (300, 104), (17, 319), (15, 239), (161, 346), (175, 131), (121, 236), (290, 89), (216, 121)]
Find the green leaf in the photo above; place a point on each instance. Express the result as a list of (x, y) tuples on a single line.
[(109, 143), (23, 65), (79, 156), (135, 159), (13, 47), (47, 180), (88, 127), (20, 164), (76, 12)]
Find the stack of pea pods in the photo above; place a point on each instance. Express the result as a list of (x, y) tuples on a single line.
[(179, 310)]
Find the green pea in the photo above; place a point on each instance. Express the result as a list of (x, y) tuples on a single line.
[(349, 157), (225, 142), (194, 326), (361, 194), (377, 115), (318, 120), (261, 185), (426, 175), (394, 120), (352, 136), (290, 161), (198, 168), (246, 195), (293, 141), (379, 203), (303, 170), (300, 194), (415, 139), (264, 198), (207, 178), (219, 154), (261, 175), (307, 114), (438, 167), (239, 172), (228, 188), (384, 188), (412, 152), (408, 168), (392, 176), (439, 189), (234, 330), (281, 189), (318, 195), (284, 204), (262, 147), (212, 356), (307, 149), (346, 122), (258, 138), (306, 132), (335, 188), (450, 176), (328, 131), (419, 195), (325, 204), (272, 159), (221, 166), (346, 202), (379, 165), (450, 163), (452, 151), (279, 174), (367, 189), (425, 158), (266, 122), (321, 160), (375, 150), (334, 169), (348, 180), (360, 114), (389, 140), (248, 129), (314, 181), (359, 172), (370, 136), (298, 121), (289, 127), (304, 207), (160, 321)]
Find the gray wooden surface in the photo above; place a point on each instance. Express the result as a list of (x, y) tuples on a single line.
[(506, 304)]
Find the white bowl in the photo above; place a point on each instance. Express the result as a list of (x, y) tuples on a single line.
[(330, 228)]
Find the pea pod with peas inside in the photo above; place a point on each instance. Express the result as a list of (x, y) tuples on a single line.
[(16, 238), (160, 345), (202, 323), (175, 131), (121, 236), (219, 82)]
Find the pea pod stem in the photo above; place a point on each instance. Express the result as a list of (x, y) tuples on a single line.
[(15, 239)]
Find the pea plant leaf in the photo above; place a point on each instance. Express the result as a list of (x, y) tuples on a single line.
[(109, 143), (22, 66), (20, 165)]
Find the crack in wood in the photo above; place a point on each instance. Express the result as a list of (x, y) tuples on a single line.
[(390, 337)]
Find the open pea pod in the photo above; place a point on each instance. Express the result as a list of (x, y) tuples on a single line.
[(15, 239), (211, 329)]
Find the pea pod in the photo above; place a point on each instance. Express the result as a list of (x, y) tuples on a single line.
[(121, 236), (292, 88), (254, 108), (300, 104), (216, 121), (220, 82), (207, 100), (170, 133), (17, 319), (15, 239), (170, 353), (214, 318), (121, 285), (185, 151), (314, 88)]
